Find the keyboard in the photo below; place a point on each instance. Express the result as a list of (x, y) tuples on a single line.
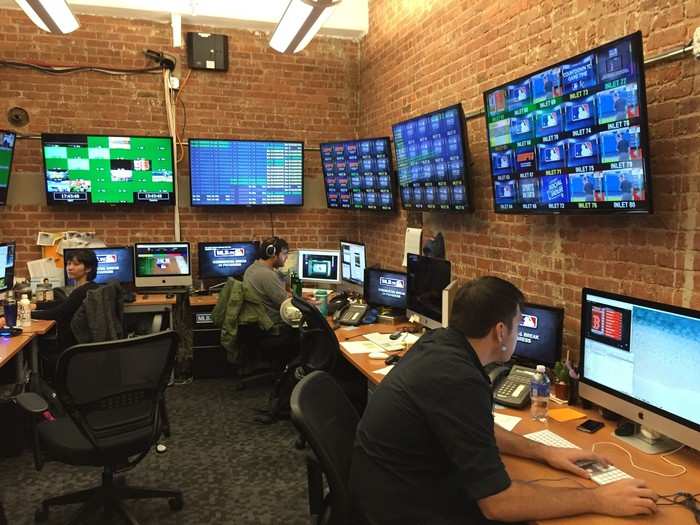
[(600, 474)]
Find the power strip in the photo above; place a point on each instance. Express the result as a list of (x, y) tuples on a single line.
[(696, 43)]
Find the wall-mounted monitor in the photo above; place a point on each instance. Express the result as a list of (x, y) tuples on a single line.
[(220, 260), (352, 262), (7, 149), (7, 266), (162, 264), (321, 266), (572, 137), (104, 170), (246, 172), (113, 263), (431, 161), (357, 174)]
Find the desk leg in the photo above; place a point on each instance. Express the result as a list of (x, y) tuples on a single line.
[(35, 356), (19, 367)]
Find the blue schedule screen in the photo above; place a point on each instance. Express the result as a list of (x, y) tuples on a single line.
[(430, 156), (573, 137), (246, 173), (357, 174)]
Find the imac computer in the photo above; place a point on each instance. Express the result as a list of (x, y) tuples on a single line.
[(539, 335), (162, 265), (114, 263), (220, 260), (7, 266), (352, 262), (319, 266), (641, 359), (427, 281), (386, 290)]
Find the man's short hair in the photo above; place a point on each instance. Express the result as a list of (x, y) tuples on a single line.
[(482, 303), (87, 258), (272, 246)]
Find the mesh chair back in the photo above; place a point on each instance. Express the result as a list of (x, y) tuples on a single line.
[(326, 418), (113, 389), (319, 345)]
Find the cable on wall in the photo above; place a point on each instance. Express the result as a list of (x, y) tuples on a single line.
[(65, 70)]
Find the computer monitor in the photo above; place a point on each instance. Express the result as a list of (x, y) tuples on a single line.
[(7, 149), (219, 260), (641, 359), (115, 262), (352, 262), (539, 335), (427, 277), (321, 266), (7, 266), (385, 288), (162, 264)]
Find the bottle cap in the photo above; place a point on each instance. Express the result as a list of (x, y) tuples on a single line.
[(541, 368)]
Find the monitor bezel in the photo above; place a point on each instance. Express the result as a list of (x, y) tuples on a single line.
[(14, 262), (349, 281), (226, 206), (637, 44), (166, 281), (200, 250), (366, 296), (392, 177), (3, 202), (431, 322), (559, 335), (300, 265), (124, 247), (469, 208), (106, 205)]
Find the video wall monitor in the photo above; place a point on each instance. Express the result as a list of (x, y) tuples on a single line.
[(102, 170), (357, 174), (641, 359), (431, 160), (246, 172), (539, 335), (572, 138), (113, 263), (427, 277), (352, 262), (220, 260), (322, 266), (385, 288), (7, 149), (162, 264), (7, 266)]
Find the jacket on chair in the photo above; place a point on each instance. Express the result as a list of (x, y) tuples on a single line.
[(101, 316)]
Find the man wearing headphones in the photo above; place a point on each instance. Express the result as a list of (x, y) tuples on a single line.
[(263, 277)]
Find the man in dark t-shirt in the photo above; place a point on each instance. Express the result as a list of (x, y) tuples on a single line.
[(427, 452)]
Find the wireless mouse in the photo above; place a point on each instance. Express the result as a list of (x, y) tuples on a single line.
[(378, 355)]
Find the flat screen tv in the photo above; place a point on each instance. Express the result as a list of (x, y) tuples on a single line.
[(7, 149), (357, 174), (431, 161), (572, 137), (246, 172), (108, 170)]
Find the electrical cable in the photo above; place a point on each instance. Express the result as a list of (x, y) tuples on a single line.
[(551, 480), (65, 70), (687, 500), (662, 456)]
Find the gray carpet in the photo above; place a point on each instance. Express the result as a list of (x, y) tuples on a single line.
[(230, 469)]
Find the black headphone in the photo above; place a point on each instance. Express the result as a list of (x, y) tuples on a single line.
[(270, 247)]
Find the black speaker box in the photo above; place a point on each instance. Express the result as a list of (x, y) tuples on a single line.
[(207, 51)]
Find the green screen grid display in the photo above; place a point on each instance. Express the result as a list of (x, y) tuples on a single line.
[(7, 146), (92, 169)]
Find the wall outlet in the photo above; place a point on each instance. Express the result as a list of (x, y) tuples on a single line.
[(174, 83)]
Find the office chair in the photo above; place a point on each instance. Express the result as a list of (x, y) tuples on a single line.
[(112, 393), (326, 418), (319, 348)]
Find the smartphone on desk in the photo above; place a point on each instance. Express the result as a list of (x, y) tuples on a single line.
[(511, 386), (590, 426)]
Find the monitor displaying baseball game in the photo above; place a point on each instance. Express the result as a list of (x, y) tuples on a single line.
[(103, 170), (573, 137), (7, 149)]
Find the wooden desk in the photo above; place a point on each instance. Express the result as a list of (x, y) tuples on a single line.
[(525, 469), (10, 347), (153, 303), (203, 300)]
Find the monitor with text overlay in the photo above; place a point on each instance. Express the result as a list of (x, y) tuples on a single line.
[(219, 260), (113, 263), (162, 264), (385, 288), (539, 335), (353, 262)]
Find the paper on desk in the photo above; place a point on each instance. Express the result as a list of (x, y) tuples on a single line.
[(412, 243), (390, 344), (360, 347), (383, 371), (506, 421)]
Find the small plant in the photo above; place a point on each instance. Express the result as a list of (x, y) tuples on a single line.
[(561, 372)]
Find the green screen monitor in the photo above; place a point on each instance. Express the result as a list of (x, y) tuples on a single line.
[(7, 148)]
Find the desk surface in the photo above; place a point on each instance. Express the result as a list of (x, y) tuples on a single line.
[(10, 346), (152, 299), (38, 327), (525, 469)]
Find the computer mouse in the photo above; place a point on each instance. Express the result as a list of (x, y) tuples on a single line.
[(378, 355), (392, 359), (396, 335), (626, 428)]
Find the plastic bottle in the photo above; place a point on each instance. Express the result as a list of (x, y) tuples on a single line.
[(10, 309), (24, 311), (539, 394), (295, 283)]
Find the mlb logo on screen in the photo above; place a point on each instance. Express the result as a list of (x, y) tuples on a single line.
[(109, 258), (528, 321), (388, 281)]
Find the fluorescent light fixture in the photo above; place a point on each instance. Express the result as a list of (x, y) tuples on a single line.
[(299, 24), (53, 16), (176, 23)]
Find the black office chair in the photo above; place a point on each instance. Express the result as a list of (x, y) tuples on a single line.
[(325, 417), (113, 394), (319, 347)]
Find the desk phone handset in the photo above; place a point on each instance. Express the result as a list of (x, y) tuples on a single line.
[(511, 386), (350, 314)]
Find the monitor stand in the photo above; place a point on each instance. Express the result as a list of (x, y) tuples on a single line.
[(658, 446)]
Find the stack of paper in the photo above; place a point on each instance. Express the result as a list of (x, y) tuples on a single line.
[(360, 347), (392, 345)]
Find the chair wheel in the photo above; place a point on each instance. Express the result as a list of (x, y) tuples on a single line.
[(176, 503), (41, 515)]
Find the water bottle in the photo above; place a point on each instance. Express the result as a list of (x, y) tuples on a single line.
[(10, 309), (295, 283), (25, 311), (539, 394)]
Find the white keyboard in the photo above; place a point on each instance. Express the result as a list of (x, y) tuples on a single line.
[(600, 474)]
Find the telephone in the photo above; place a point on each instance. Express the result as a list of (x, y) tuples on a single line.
[(337, 302), (350, 314), (511, 386)]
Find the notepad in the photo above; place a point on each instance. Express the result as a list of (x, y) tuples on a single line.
[(360, 347), (506, 421), (565, 414)]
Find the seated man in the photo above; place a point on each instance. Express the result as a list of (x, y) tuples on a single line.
[(426, 449)]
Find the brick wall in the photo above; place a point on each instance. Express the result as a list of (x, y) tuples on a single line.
[(311, 96), (420, 56)]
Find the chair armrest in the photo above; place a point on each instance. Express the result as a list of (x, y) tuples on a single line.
[(32, 403)]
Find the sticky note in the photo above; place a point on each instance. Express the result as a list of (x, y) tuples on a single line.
[(565, 414)]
